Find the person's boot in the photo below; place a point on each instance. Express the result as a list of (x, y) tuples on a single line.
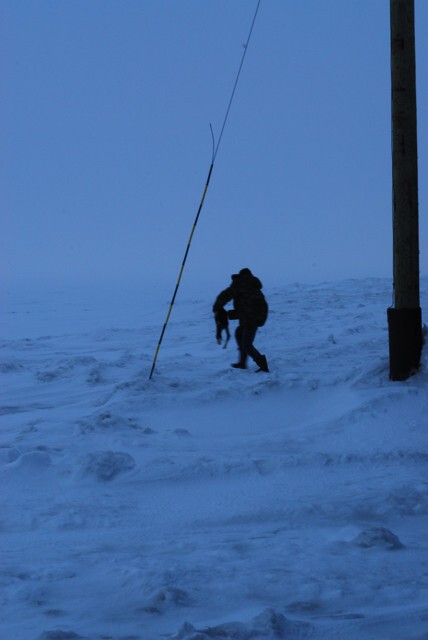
[(239, 365), (263, 365)]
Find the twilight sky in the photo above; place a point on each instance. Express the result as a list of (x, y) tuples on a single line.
[(105, 110)]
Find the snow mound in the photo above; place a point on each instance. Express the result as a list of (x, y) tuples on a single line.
[(106, 421), (106, 465), (59, 634), (8, 455), (410, 499), (378, 537), (270, 624), (167, 598), (31, 463), (10, 367), (66, 369)]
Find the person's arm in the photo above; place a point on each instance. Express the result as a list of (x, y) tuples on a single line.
[(223, 298)]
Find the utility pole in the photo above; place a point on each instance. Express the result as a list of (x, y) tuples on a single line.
[(404, 318)]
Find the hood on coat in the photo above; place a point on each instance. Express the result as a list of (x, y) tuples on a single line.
[(246, 278)]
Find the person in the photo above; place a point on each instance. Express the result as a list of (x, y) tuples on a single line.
[(251, 309)]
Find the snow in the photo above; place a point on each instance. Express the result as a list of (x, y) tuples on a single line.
[(210, 502)]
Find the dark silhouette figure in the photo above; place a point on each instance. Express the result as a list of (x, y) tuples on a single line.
[(251, 309)]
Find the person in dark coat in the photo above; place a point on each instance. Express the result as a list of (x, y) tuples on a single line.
[(251, 309)]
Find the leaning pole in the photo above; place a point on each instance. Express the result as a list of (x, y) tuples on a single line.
[(404, 318)]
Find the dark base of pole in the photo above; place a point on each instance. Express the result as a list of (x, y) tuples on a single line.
[(405, 342)]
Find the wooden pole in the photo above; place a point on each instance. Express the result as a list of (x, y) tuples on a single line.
[(404, 319)]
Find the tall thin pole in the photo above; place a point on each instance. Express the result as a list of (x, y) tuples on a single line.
[(183, 264), (404, 319), (214, 155)]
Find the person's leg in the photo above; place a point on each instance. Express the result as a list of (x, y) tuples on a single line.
[(238, 336), (248, 335), (242, 362), (247, 339)]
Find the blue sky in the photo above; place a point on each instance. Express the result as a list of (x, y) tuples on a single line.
[(106, 146)]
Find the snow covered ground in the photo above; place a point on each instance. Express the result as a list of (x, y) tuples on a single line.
[(210, 502)]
